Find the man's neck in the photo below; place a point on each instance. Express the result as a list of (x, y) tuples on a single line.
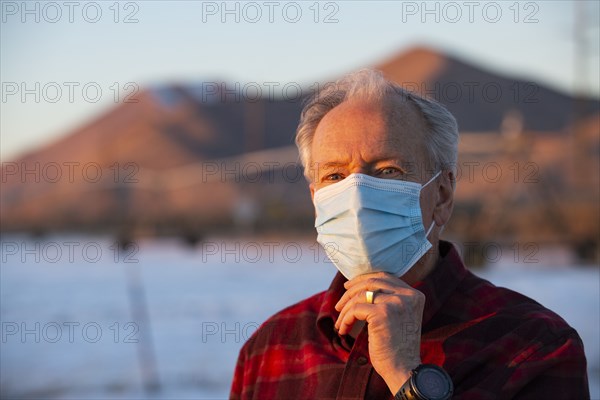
[(424, 266)]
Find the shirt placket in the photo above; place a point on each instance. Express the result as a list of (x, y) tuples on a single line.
[(358, 370)]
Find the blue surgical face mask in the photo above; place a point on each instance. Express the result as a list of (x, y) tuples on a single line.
[(368, 224)]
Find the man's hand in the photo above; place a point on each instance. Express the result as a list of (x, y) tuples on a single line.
[(394, 323)]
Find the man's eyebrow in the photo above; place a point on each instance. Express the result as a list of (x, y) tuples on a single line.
[(401, 163), (395, 160), (332, 164)]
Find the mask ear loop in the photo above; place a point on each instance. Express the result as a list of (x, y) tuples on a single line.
[(430, 228), (432, 179), (432, 222)]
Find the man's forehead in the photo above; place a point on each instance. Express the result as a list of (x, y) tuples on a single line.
[(381, 138), (365, 131), (390, 120), (391, 110), (391, 144)]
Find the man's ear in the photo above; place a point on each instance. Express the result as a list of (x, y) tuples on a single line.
[(445, 198)]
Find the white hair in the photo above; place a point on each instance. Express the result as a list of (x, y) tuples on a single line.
[(440, 139)]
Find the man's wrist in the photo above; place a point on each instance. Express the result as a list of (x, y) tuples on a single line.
[(399, 376), (426, 382)]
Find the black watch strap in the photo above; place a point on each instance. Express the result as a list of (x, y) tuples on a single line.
[(426, 382)]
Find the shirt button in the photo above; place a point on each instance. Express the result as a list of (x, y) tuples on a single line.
[(361, 360)]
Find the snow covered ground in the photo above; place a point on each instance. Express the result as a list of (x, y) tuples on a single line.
[(73, 324)]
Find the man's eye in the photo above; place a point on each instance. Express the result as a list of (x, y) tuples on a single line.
[(334, 177), (390, 172)]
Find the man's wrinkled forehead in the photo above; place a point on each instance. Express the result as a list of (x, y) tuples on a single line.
[(393, 109), (398, 147), (392, 127)]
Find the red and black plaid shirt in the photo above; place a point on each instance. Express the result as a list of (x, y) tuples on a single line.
[(494, 343)]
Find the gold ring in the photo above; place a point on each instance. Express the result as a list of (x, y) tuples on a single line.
[(370, 296)]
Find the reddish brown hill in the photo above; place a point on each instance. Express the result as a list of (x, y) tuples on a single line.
[(480, 99), (120, 168)]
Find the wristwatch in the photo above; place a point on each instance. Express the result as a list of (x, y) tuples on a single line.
[(426, 382)]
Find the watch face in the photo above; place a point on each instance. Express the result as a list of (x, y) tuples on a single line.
[(432, 384)]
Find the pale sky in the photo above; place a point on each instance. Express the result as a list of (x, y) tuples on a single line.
[(89, 44)]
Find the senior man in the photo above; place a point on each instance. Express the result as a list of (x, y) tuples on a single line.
[(403, 318)]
